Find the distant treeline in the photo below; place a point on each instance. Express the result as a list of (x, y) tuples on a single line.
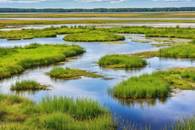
[(4, 10)]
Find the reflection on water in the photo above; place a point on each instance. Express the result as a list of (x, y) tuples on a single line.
[(157, 113), (141, 102)]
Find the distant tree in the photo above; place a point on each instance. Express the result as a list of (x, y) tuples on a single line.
[(168, 9)]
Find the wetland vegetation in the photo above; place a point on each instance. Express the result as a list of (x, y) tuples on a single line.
[(156, 85), (170, 32), (16, 60), (36, 33), (104, 34), (115, 15), (67, 73), (94, 36), (83, 114), (122, 61), (53, 113), (7, 23), (184, 50), (186, 124), (28, 85)]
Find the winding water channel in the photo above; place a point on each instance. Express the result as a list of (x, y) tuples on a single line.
[(141, 113)]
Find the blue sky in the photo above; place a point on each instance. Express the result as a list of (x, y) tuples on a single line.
[(95, 3)]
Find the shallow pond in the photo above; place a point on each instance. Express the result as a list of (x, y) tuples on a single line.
[(156, 113)]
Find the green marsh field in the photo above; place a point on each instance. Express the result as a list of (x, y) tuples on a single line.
[(96, 78)]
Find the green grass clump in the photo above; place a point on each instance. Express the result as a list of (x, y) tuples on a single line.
[(156, 85), (12, 110), (61, 121), (185, 50), (6, 51), (53, 113), (34, 55), (79, 109), (180, 78), (28, 85), (171, 32), (122, 61), (188, 124), (145, 86), (93, 36), (179, 51), (37, 33), (17, 126), (67, 73)]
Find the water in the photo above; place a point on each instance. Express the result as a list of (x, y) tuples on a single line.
[(141, 113), (105, 25)]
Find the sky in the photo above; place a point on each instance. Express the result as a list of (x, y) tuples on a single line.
[(95, 3)]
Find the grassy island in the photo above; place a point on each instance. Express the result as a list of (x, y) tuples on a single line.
[(122, 61), (16, 60), (156, 85), (179, 51), (28, 85), (67, 73), (93, 36), (53, 113), (170, 32), (43, 33), (185, 50)]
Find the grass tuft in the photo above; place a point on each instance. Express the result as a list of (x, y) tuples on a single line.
[(188, 124), (28, 85), (93, 36), (23, 58), (67, 73), (122, 61), (145, 86), (53, 113), (156, 85)]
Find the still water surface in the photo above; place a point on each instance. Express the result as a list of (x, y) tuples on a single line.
[(141, 113)]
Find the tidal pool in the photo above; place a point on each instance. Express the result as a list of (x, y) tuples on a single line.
[(153, 113)]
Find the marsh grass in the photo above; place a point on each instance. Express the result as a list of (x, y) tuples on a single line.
[(12, 110), (28, 85), (94, 36), (185, 50), (145, 86), (179, 51), (53, 113), (80, 109), (6, 51), (157, 85), (187, 124), (122, 61), (88, 15), (147, 54), (17, 126), (67, 73), (170, 32), (37, 33), (33, 56)]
